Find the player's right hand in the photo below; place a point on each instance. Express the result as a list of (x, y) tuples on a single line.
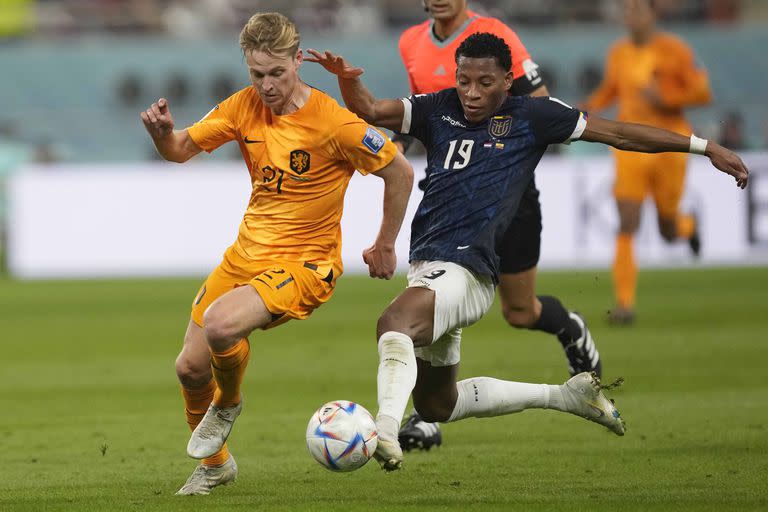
[(158, 120), (728, 162), (381, 261)]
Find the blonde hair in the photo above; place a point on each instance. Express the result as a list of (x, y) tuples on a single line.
[(270, 32)]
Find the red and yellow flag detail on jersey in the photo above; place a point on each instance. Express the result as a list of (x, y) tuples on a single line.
[(300, 165)]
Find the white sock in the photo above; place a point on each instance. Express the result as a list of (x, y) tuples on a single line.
[(482, 397), (396, 379)]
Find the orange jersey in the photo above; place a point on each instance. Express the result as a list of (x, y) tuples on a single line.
[(300, 165), (431, 63), (665, 63)]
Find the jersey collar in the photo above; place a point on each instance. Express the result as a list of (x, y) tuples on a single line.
[(461, 29)]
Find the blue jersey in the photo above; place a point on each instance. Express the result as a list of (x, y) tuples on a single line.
[(478, 172)]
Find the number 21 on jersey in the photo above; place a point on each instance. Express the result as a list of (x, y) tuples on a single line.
[(462, 154)]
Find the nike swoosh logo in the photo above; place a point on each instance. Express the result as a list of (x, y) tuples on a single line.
[(247, 141), (462, 247)]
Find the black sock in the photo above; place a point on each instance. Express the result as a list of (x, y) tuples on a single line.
[(555, 320)]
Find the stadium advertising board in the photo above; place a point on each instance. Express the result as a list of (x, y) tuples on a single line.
[(158, 219)]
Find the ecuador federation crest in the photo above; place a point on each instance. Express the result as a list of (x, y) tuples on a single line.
[(299, 161), (500, 126)]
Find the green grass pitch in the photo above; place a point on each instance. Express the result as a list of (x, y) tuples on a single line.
[(93, 419)]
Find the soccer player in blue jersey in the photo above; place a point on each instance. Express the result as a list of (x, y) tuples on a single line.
[(482, 149)]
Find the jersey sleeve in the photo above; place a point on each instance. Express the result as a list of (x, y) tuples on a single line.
[(555, 122), (691, 85), (416, 115), (217, 127), (363, 146)]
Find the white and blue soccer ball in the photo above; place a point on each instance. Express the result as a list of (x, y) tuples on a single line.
[(342, 436)]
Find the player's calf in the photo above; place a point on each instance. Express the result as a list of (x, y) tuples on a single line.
[(421, 430), (519, 317)]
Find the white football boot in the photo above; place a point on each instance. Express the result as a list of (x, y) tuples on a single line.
[(389, 454), (204, 478), (583, 397), (213, 431), (388, 451)]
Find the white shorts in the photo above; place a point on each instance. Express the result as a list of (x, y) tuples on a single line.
[(461, 299)]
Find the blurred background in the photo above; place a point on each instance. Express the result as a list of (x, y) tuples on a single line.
[(76, 73)]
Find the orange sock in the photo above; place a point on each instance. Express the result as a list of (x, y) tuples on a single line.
[(686, 225), (196, 402), (228, 370), (624, 272)]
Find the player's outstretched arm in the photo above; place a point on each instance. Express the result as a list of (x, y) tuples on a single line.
[(647, 139), (385, 113), (174, 146), (398, 182)]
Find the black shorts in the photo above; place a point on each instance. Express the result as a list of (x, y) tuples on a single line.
[(521, 246)]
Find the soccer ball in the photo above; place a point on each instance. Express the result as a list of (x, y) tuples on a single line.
[(342, 435)]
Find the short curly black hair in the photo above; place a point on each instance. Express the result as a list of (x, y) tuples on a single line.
[(485, 45)]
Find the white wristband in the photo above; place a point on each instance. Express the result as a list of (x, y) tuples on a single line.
[(698, 146)]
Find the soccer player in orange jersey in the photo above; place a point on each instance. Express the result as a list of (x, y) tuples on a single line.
[(428, 53), (653, 76), (301, 149)]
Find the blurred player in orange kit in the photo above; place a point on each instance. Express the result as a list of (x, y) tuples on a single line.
[(301, 149), (428, 53), (653, 76)]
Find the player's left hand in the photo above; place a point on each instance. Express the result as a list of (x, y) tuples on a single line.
[(381, 261), (728, 162), (336, 64)]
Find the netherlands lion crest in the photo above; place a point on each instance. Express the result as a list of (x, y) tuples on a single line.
[(500, 126), (299, 161)]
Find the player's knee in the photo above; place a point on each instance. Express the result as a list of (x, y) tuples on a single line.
[(393, 319), (192, 375), (520, 317), (218, 327)]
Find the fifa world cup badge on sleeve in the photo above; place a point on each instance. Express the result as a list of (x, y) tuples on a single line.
[(373, 140)]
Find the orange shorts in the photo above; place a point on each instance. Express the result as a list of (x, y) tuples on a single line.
[(288, 289), (662, 175)]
